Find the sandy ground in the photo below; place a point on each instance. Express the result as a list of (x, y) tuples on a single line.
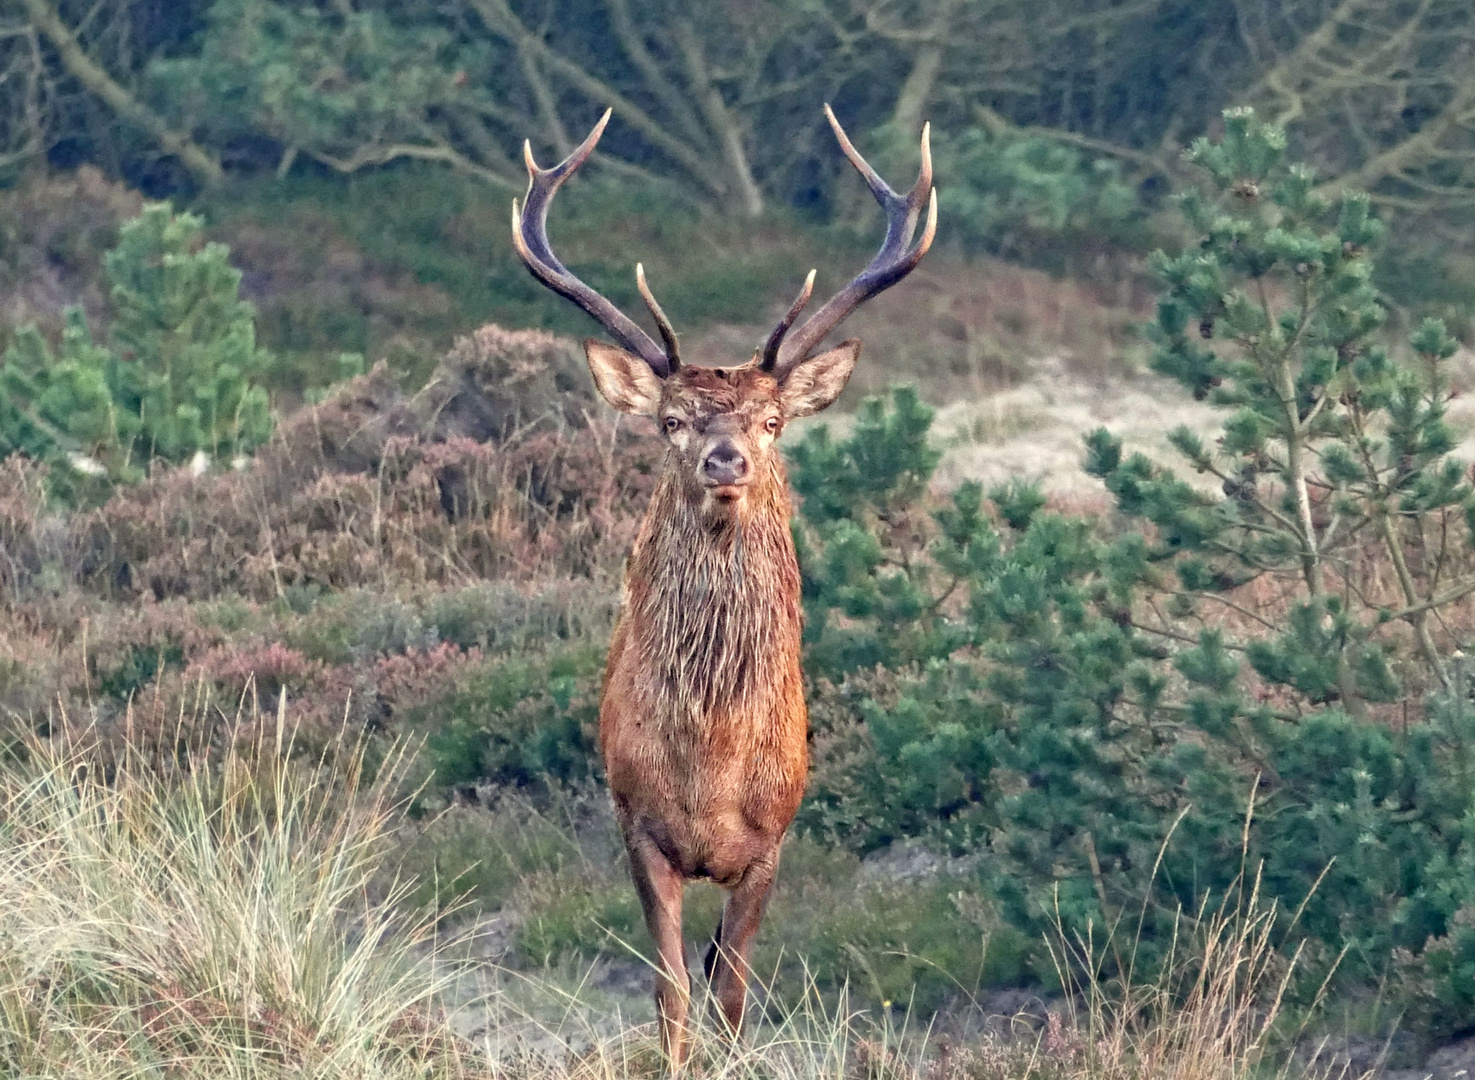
[(1035, 431)]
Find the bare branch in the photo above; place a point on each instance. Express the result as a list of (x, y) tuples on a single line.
[(383, 153), (719, 119), (543, 97), (500, 19), (202, 164), (675, 102)]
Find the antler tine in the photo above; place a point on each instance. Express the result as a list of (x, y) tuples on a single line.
[(776, 338), (879, 187), (530, 238), (663, 324), (891, 263)]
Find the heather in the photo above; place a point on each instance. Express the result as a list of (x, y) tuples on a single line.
[(382, 553)]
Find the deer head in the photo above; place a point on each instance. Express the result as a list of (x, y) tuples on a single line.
[(721, 423)]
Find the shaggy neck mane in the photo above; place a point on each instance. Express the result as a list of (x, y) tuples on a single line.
[(714, 603)]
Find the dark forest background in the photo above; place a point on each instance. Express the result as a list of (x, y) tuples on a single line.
[(1058, 125)]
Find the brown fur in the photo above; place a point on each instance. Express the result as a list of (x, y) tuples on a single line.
[(703, 722)]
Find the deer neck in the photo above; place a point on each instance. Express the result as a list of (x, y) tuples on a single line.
[(714, 601)]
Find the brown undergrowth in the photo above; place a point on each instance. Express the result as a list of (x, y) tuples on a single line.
[(381, 546)]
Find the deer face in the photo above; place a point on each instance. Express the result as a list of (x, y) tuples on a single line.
[(720, 423)]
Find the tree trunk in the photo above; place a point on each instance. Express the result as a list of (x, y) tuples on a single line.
[(201, 164), (500, 19), (720, 120), (915, 92), (1296, 467), (911, 102)]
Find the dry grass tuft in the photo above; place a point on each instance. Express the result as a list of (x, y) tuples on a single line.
[(207, 915), (1212, 1013)]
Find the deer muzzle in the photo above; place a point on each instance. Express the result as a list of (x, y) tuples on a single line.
[(726, 466)]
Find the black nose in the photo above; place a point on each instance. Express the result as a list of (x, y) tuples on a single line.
[(725, 464)]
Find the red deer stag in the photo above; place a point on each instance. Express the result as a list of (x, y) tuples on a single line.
[(703, 724)]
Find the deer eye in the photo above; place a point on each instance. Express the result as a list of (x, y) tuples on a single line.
[(771, 424), (673, 423)]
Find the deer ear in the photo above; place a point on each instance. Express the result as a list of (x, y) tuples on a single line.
[(815, 383), (624, 379)]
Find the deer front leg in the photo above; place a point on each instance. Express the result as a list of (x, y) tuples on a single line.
[(659, 887), (727, 960)]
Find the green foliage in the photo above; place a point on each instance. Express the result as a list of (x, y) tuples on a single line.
[(910, 941), (517, 721), (1031, 198), (329, 82), (142, 665), (1106, 772), (59, 407), (1070, 701), (913, 940), (1328, 440), (858, 498), (175, 379), (185, 341)]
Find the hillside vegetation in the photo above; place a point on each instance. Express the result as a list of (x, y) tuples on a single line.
[(1072, 739)]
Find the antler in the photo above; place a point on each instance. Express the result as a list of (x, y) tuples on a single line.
[(776, 338), (892, 263), (530, 237)]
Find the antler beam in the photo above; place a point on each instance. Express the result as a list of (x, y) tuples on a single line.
[(530, 237), (894, 261)]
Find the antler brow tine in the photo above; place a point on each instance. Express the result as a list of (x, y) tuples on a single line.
[(663, 324), (776, 338), (530, 238), (894, 261)]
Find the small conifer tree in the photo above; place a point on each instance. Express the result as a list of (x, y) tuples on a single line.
[(177, 378), (1062, 694), (1329, 445)]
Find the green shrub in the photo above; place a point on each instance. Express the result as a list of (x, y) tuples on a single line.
[(1034, 199), (1105, 774), (515, 721), (1067, 695), (484, 856), (396, 262), (1331, 447), (864, 605), (259, 72), (574, 916)]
